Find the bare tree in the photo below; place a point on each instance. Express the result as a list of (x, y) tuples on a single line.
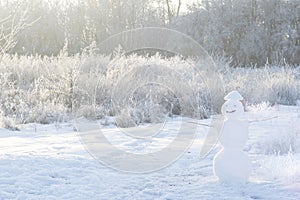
[(178, 7), (10, 27), (169, 11), (173, 12)]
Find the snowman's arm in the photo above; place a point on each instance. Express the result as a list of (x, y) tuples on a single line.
[(200, 124), (261, 120)]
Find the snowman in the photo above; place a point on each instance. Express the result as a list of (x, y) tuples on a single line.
[(231, 164)]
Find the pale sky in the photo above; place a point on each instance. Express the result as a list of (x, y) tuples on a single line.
[(175, 2), (185, 2)]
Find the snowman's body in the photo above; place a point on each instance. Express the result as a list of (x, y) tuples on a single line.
[(231, 164)]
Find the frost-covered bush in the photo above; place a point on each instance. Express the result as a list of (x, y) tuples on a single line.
[(284, 138), (91, 112), (274, 84), (7, 122), (152, 104), (155, 87), (27, 94), (124, 120), (29, 105), (281, 142), (48, 89), (283, 168)]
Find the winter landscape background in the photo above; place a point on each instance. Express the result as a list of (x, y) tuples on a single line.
[(51, 72)]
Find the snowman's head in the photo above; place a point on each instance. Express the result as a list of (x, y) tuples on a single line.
[(232, 109), (233, 106)]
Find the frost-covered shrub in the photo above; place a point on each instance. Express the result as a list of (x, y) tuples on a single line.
[(283, 168), (154, 87), (148, 114), (8, 123), (284, 138), (280, 142), (277, 85), (48, 89), (27, 95), (124, 119), (90, 112), (47, 113), (152, 103)]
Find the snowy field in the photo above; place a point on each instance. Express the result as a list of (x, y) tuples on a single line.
[(49, 162)]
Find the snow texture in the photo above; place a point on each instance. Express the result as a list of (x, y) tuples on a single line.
[(49, 162)]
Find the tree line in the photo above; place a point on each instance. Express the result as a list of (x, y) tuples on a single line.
[(250, 32)]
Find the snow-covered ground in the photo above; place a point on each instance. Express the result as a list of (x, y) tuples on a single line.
[(49, 162)]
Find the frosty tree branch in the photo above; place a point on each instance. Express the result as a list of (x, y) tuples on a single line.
[(10, 27)]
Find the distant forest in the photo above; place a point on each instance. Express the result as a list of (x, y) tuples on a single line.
[(249, 32)]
